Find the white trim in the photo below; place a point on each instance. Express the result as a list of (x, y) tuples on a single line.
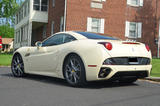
[(127, 29), (102, 26), (139, 29), (89, 24), (65, 14), (62, 24), (52, 28), (53, 3), (141, 2)]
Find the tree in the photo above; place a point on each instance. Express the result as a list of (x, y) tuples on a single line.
[(6, 31), (8, 9)]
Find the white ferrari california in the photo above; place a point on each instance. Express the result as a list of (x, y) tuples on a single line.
[(78, 57)]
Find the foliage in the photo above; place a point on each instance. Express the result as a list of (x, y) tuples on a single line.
[(5, 59), (155, 68), (8, 9), (6, 31)]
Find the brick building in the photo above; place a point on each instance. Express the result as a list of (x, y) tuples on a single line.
[(137, 20)]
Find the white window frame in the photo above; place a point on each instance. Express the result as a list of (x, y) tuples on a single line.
[(140, 3), (52, 28), (44, 31), (138, 29), (53, 3), (40, 5), (62, 24), (90, 26)]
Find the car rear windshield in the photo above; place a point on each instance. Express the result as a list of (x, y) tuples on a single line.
[(95, 36)]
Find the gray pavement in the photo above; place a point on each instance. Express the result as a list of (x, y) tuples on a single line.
[(47, 91)]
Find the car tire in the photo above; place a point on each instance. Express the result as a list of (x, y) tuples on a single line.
[(74, 71), (128, 80), (17, 66)]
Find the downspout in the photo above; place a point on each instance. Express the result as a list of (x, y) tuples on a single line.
[(158, 41), (65, 14), (158, 29)]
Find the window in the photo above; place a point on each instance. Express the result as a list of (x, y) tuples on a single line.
[(62, 24), (53, 3), (21, 34), (44, 31), (95, 25), (26, 37), (24, 31), (17, 19), (25, 10), (36, 5), (58, 39), (18, 37), (133, 29), (40, 5), (28, 7), (44, 4), (135, 2), (54, 40), (95, 36), (68, 38), (52, 28)]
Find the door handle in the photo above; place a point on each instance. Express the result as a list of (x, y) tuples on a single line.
[(27, 54)]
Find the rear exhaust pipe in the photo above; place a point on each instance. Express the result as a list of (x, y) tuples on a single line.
[(104, 72)]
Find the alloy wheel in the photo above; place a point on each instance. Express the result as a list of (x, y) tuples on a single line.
[(17, 66)]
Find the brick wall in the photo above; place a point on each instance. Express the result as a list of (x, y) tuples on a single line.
[(115, 13), (54, 14)]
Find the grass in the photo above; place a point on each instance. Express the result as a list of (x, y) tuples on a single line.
[(155, 68), (5, 59)]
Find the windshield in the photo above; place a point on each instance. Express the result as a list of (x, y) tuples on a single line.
[(95, 36)]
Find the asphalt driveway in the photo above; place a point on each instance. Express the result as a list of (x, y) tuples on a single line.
[(46, 91)]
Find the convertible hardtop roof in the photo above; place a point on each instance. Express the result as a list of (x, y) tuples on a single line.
[(95, 36)]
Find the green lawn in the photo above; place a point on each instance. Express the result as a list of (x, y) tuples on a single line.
[(155, 68), (5, 59)]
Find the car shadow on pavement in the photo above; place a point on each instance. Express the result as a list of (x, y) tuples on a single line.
[(62, 82)]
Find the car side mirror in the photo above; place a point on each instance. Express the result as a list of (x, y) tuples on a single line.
[(38, 44)]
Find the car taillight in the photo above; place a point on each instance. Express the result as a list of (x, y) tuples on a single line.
[(107, 45), (147, 47)]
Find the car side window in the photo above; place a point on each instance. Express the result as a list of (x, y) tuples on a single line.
[(54, 40), (68, 38), (58, 39)]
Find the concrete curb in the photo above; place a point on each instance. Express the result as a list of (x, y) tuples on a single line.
[(157, 79)]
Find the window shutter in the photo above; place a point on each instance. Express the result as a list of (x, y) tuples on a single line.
[(89, 24), (102, 26), (127, 29), (141, 2), (139, 30), (52, 28), (53, 3), (129, 2), (61, 23)]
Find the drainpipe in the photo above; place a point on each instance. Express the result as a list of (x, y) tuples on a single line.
[(158, 41), (159, 29), (65, 13), (158, 45)]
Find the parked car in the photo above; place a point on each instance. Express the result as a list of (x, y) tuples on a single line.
[(78, 57)]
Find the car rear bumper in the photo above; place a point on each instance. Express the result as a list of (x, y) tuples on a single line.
[(118, 71)]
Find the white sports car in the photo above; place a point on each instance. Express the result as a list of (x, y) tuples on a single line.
[(81, 56)]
